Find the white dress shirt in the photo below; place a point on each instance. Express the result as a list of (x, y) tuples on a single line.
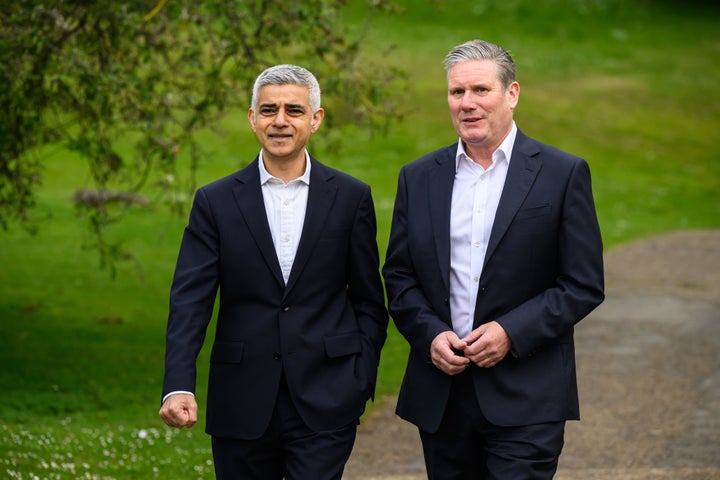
[(285, 206), (475, 197)]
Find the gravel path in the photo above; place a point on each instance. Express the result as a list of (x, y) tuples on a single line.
[(648, 373)]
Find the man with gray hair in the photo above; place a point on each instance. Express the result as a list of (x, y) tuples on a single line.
[(494, 255), (291, 246)]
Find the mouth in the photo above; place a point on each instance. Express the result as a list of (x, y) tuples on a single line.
[(279, 136), (471, 120)]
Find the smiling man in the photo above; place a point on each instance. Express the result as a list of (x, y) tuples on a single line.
[(494, 255), (291, 245)]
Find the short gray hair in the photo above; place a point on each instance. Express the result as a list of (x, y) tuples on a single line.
[(482, 50), (288, 75)]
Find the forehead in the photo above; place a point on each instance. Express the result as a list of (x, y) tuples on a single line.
[(284, 94), (473, 71)]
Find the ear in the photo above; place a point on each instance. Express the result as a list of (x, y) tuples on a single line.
[(513, 93), (317, 119), (251, 118)]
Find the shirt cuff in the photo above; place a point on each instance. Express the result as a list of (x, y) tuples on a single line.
[(176, 391)]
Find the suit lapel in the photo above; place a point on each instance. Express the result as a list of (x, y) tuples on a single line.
[(249, 198), (440, 183), (320, 200), (522, 171)]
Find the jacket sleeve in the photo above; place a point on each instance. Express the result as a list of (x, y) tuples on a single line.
[(578, 285), (192, 297), (409, 304), (365, 289)]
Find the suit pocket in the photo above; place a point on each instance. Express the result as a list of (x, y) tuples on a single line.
[(227, 352), (532, 212), (342, 345)]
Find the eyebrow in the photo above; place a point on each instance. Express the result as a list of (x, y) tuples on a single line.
[(287, 105)]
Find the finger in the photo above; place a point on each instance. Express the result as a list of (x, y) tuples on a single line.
[(192, 415), (475, 349), (474, 335), (456, 364), (174, 420), (171, 422), (450, 366), (174, 414), (449, 340), (457, 344), (449, 357)]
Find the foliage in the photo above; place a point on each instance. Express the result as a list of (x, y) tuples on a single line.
[(129, 89)]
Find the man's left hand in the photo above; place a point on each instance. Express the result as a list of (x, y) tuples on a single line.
[(487, 345)]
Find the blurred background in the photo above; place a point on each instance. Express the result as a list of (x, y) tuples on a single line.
[(115, 112)]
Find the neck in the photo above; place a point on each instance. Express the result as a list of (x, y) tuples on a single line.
[(286, 170)]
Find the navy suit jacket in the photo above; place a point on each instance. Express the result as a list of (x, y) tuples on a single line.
[(324, 329), (543, 273)]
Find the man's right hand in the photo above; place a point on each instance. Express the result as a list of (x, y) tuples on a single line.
[(179, 410), (443, 353)]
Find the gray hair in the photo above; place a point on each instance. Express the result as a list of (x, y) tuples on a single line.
[(288, 75), (482, 50)]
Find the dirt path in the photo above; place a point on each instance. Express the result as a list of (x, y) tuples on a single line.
[(648, 372)]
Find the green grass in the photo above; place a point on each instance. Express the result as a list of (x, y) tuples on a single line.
[(634, 89)]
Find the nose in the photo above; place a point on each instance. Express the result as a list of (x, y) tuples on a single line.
[(467, 103), (280, 119)]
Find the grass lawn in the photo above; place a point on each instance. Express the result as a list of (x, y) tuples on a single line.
[(633, 87)]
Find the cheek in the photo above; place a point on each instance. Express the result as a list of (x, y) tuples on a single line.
[(454, 110)]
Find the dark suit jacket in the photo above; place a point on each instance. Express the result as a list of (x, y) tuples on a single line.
[(325, 328), (542, 274)]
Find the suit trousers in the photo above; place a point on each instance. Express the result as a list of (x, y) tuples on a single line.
[(467, 446), (288, 449)]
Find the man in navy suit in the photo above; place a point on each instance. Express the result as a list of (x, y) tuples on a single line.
[(494, 255), (291, 245)]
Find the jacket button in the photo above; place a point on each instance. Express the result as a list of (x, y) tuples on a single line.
[(276, 355), (285, 308), (446, 301)]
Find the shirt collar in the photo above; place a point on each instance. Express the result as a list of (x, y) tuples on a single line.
[(265, 175), (503, 152)]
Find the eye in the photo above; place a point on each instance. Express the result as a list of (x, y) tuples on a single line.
[(457, 91), (268, 111)]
